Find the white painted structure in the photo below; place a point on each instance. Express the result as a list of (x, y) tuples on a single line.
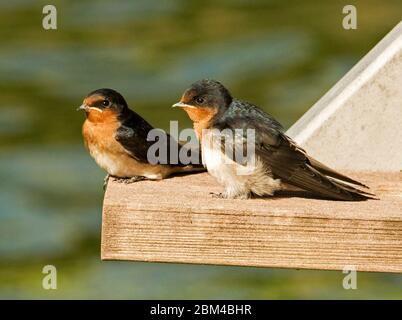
[(357, 125)]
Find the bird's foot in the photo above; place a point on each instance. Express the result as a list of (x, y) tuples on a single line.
[(226, 195), (217, 195), (129, 180)]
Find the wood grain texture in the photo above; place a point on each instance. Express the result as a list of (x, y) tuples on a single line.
[(177, 220)]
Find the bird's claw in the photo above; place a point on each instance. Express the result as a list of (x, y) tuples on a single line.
[(121, 180), (225, 195), (129, 180), (217, 195), (134, 179)]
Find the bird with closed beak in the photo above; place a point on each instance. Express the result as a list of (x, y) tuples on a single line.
[(116, 137), (277, 160)]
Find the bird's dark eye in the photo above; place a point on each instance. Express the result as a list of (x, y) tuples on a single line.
[(199, 100), (105, 103)]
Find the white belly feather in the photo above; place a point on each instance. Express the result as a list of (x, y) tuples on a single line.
[(106, 161), (238, 180), (121, 165)]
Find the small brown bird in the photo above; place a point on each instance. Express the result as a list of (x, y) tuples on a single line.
[(116, 137), (278, 159)]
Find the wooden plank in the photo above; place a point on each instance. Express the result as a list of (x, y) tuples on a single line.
[(177, 220)]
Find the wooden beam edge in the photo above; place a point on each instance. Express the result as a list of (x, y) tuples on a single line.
[(135, 225)]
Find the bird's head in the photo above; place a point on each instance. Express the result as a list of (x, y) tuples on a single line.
[(204, 99), (102, 104)]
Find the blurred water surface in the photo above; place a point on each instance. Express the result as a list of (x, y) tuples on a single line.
[(280, 55)]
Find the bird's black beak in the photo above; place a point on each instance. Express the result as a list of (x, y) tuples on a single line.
[(182, 105)]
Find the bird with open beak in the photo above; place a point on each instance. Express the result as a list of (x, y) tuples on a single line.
[(278, 160), (116, 137)]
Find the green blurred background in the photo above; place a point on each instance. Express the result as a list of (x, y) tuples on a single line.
[(281, 55)]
